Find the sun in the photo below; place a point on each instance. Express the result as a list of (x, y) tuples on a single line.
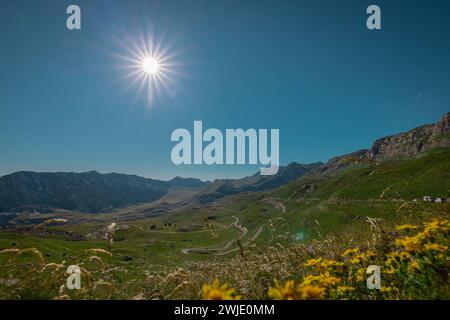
[(151, 65)]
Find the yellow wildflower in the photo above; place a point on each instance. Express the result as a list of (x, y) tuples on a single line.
[(386, 289), (358, 259), (283, 293), (411, 244), (292, 292), (311, 279), (323, 264), (350, 252), (360, 275), (313, 262), (406, 227), (370, 253), (395, 259), (218, 292), (344, 289), (311, 292), (398, 256), (390, 269), (414, 265), (436, 225), (435, 247), (323, 280)]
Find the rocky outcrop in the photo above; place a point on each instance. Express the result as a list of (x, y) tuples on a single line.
[(336, 164), (443, 126), (402, 145), (413, 142)]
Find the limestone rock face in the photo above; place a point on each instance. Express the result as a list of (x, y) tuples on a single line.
[(413, 142), (443, 126), (403, 145)]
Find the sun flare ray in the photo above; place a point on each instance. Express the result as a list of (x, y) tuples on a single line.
[(148, 64)]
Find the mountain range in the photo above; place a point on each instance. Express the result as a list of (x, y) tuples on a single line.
[(93, 192), (85, 192)]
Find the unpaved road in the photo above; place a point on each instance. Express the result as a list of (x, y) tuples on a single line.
[(236, 224), (252, 239), (279, 205)]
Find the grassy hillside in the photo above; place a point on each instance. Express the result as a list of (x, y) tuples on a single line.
[(247, 239), (375, 190), (399, 179)]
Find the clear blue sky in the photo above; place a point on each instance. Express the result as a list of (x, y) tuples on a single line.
[(309, 68)]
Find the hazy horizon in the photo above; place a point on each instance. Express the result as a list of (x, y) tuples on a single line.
[(256, 168)]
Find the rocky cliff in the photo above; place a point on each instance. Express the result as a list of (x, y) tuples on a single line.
[(403, 145), (413, 142)]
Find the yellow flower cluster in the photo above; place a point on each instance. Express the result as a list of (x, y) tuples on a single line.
[(319, 286), (314, 286), (419, 256), (406, 227), (424, 243), (324, 280), (346, 278), (321, 264), (394, 260)]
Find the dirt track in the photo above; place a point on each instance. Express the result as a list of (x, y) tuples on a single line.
[(277, 204), (236, 224)]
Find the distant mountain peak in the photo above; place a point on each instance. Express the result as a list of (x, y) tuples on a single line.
[(187, 182)]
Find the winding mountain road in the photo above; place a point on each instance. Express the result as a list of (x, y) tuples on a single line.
[(236, 224), (279, 205), (243, 232)]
